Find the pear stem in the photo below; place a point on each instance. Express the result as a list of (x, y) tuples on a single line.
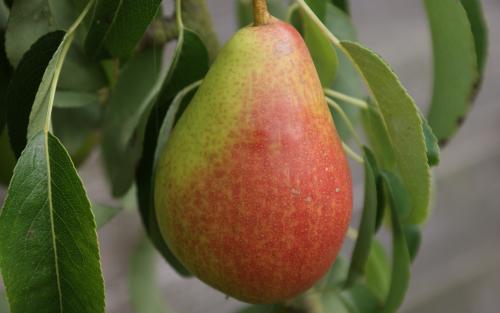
[(261, 15)]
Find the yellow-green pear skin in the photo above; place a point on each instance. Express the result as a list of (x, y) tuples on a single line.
[(253, 191)]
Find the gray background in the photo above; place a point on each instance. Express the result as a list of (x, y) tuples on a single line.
[(458, 267)]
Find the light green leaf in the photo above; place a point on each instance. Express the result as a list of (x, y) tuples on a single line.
[(360, 299), (455, 66), (403, 124), (48, 244), (145, 295), (125, 119), (341, 4)]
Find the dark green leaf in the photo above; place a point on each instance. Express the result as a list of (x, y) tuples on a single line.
[(431, 144), (318, 7), (104, 213), (341, 4), (5, 76), (125, 118), (455, 66), (7, 159), (367, 224), (24, 86), (48, 244), (400, 273), (190, 64), (403, 125), (145, 295), (129, 25), (174, 112), (105, 13), (269, 308), (413, 239), (4, 15), (479, 30), (377, 270)]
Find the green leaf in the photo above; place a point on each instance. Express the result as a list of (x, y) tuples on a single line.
[(104, 213), (24, 86), (347, 80), (105, 13), (318, 7), (479, 30), (145, 295), (190, 64), (431, 144), (75, 99), (244, 9), (4, 15), (129, 25), (78, 129), (336, 276), (396, 192), (322, 51), (79, 73), (377, 270), (400, 273), (28, 21), (403, 125), (331, 301), (124, 122), (48, 244), (367, 224), (341, 4), (455, 66), (360, 299)]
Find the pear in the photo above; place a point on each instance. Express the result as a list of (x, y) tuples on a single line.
[(253, 191)]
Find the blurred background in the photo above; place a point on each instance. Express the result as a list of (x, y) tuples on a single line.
[(458, 267)]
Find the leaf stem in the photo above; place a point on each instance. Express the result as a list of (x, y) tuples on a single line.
[(346, 119), (66, 44), (353, 155), (178, 15), (261, 15), (348, 99)]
